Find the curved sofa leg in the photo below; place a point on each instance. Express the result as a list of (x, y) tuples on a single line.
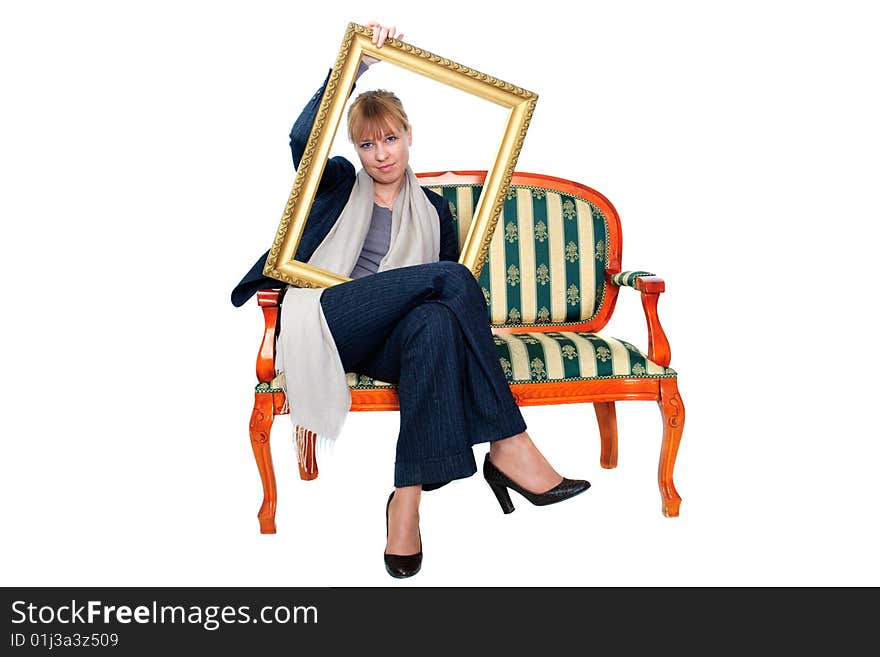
[(260, 428), (672, 410), (606, 415)]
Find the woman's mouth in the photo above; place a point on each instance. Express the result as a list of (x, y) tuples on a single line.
[(387, 167)]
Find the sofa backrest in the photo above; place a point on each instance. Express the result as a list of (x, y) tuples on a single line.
[(547, 261)]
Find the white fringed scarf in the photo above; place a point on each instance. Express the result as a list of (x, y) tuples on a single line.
[(314, 379)]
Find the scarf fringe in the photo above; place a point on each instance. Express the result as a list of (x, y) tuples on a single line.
[(300, 441), (324, 446)]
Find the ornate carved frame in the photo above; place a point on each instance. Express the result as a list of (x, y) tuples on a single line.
[(281, 263)]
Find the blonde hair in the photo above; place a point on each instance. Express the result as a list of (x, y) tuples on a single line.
[(374, 112)]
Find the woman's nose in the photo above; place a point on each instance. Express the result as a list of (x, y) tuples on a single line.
[(379, 152)]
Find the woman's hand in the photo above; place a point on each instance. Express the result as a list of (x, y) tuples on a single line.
[(380, 34)]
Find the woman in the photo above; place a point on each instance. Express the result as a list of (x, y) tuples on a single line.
[(412, 315)]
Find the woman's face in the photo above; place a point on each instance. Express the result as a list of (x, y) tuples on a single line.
[(385, 155)]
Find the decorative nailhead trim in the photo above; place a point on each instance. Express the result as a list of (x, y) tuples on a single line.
[(668, 374)]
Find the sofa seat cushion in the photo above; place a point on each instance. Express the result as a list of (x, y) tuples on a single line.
[(535, 357)]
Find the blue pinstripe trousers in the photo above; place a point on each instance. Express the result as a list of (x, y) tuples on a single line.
[(425, 328)]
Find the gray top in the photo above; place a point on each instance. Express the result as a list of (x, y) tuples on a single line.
[(378, 237), (376, 243)]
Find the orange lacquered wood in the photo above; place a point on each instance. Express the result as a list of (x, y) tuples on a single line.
[(602, 393), (650, 284), (606, 416), (535, 394), (658, 345), (260, 429), (375, 400), (575, 392), (672, 411), (268, 300), (650, 288)]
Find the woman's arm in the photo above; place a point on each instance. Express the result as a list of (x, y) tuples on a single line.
[(302, 128)]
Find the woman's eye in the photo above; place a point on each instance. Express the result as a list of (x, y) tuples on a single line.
[(391, 138), (366, 145)]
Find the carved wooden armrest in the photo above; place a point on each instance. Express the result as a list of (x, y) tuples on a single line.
[(650, 287), (270, 301)]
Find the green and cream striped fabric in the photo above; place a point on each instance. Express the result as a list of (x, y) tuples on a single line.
[(572, 356), (565, 356), (272, 386), (547, 259), (628, 278)]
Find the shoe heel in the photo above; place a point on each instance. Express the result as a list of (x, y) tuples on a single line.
[(502, 495)]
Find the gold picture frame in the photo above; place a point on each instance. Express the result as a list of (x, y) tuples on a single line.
[(281, 264)]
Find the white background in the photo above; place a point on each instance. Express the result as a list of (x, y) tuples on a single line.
[(145, 167)]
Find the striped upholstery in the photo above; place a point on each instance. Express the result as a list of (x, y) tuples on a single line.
[(628, 278), (566, 356), (547, 259)]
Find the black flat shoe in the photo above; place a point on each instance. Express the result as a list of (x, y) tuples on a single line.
[(401, 565), (500, 482)]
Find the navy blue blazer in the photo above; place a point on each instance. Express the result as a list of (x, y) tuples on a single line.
[(333, 191)]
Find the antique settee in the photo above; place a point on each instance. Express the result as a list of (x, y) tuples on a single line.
[(551, 280)]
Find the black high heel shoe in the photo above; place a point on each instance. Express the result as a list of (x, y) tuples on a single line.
[(500, 482), (398, 565)]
